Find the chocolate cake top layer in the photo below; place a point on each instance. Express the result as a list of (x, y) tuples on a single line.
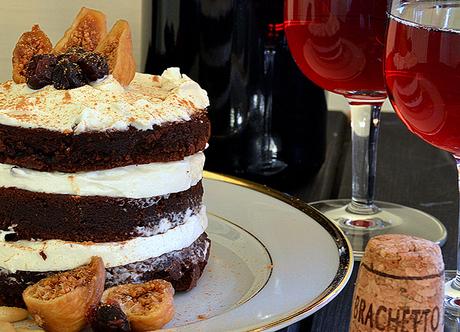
[(148, 101), (47, 150), (92, 218)]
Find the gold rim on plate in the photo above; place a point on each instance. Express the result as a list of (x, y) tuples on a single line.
[(345, 267)]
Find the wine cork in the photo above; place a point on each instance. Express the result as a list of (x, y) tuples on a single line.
[(400, 286)]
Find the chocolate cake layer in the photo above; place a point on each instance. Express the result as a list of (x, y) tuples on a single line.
[(91, 218), (47, 150), (182, 268)]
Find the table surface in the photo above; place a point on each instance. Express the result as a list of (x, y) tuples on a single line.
[(409, 172)]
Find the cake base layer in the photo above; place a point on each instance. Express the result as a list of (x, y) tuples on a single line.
[(182, 268), (46, 150), (74, 218)]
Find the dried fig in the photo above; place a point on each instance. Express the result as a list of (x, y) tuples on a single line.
[(67, 75), (40, 71), (62, 301), (87, 30), (29, 44), (73, 54), (148, 306), (118, 49), (109, 318), (12, 314), (93, 65), (7, 327)]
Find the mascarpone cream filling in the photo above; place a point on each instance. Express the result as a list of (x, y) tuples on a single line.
[(57, 255), (134, 181)]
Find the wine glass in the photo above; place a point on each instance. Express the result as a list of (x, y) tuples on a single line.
[(422, 73), (339, 45)]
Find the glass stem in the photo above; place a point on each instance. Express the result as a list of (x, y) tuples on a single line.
[(365, 123), (269, 61), (456, 282)]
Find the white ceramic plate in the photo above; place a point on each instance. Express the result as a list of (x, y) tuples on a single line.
[(274, 260)]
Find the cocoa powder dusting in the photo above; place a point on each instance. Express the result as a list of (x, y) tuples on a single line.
[(67, 97), (42, 253), (7, 85)]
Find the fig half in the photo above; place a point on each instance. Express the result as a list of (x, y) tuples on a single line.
[(29, 44), (117, 47), (86, 31), (148, 306), (12, 314), (7, 327), (62, 301)]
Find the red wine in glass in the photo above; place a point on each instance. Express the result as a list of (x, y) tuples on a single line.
[(423, 76), (339, 44), (422, 73)]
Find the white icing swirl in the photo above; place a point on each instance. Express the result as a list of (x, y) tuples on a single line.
[(135, 181), (104, 105)]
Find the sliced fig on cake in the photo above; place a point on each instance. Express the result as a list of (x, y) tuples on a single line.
[(117, 47), (29, 44), (86, 31), (62, 301), (148, 306)]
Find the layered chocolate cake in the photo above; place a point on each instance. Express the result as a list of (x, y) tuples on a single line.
[(109, 169)]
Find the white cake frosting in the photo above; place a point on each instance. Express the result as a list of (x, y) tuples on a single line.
[(58, 255), (104, 105), (134, 181)]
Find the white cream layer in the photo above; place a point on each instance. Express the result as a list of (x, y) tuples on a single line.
[(104, 105), (136, 181), (63, 255)]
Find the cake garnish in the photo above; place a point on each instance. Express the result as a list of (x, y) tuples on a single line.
[(12, 314), (117, 47), (62, 301), (29, 44), (39, 72), (108, 317), (93, 65), (85, 54), (68, 75), (148, 306), (73, 54), (6, 327), (87, 30), (66, 71)]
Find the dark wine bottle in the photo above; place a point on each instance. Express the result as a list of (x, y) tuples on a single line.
[(268, 120)]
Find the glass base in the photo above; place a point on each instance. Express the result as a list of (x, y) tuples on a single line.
[(451, 303), (389, 219)]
